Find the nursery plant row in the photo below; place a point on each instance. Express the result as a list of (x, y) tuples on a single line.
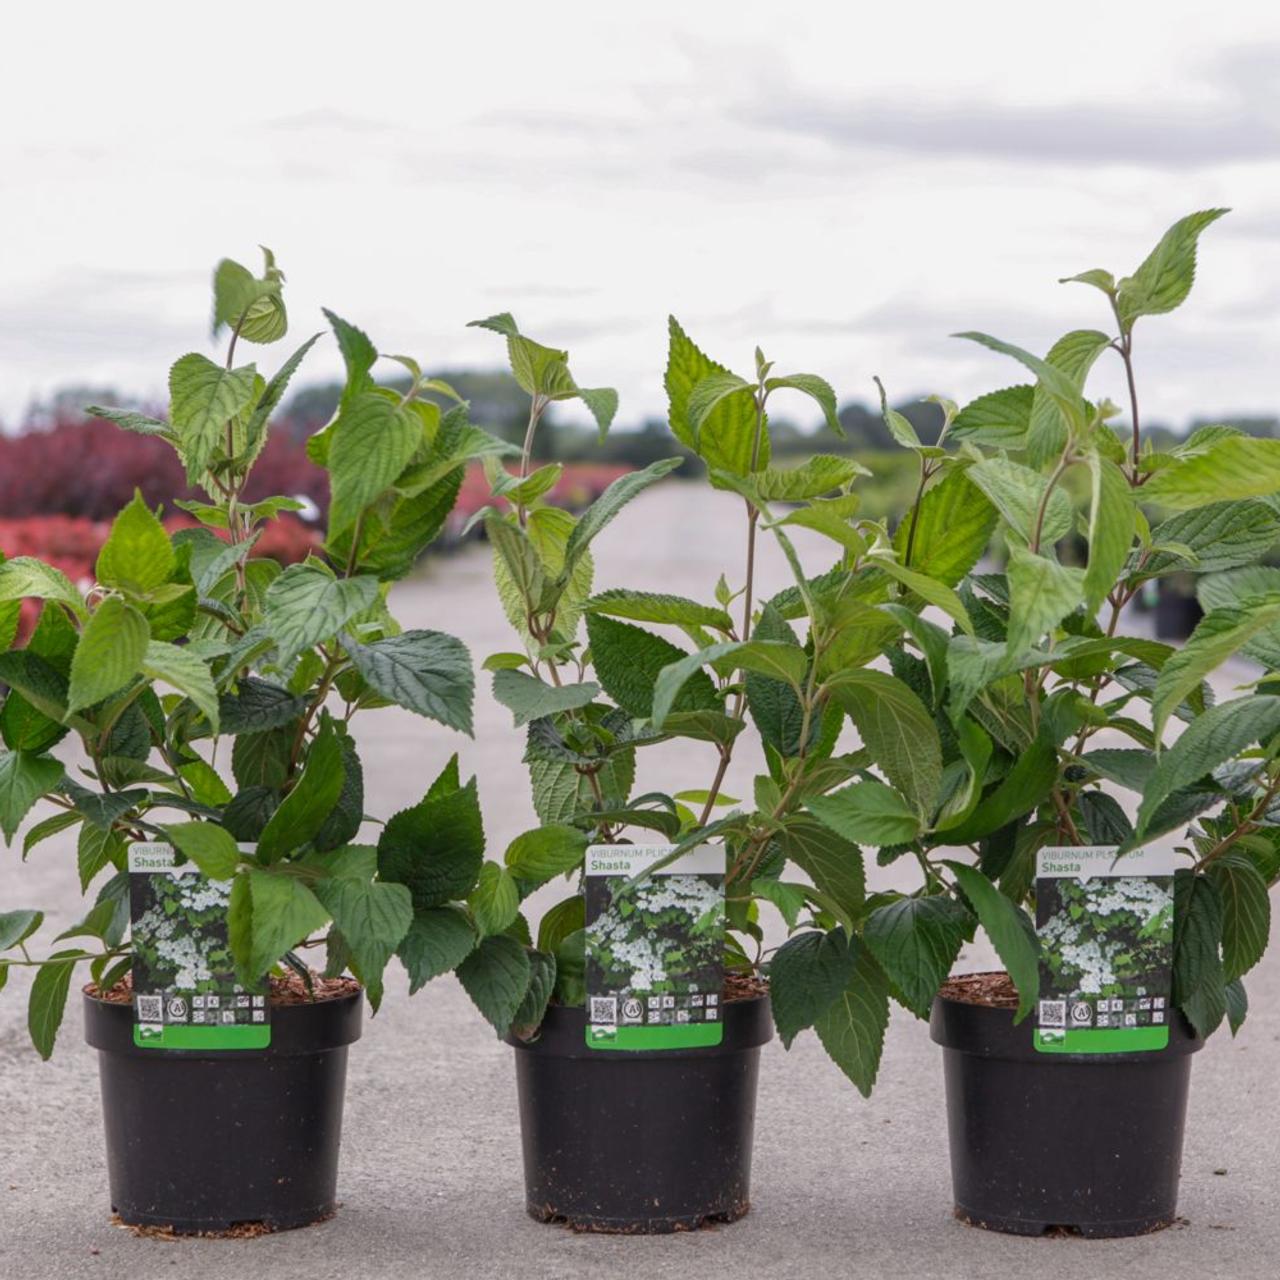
[(1072, 790)]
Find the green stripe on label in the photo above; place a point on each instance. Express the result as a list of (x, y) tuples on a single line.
[(687, 1035), (179, 1037), (1102, 1040)]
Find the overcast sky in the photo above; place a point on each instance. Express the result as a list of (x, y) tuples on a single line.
[(843, 184)]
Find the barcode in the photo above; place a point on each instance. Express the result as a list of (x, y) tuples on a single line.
[(1053, 1013), (150, 1008), (604, 1011)]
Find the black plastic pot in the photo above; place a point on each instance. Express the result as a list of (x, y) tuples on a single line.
[(1178, 612), (1090, 1143), (204, 1141), (642, 1142)]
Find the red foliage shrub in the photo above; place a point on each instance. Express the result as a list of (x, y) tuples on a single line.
[(71, 543), (87, 467)]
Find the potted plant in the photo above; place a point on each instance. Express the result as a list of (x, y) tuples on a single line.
[(645, 1138), (188, 642), (1044, 1134)]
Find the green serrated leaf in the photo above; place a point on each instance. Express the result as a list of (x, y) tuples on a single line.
[(1008, 930), (426, 672), (496, 976), (111, 652), (137, 556), (916, 941), (807, 975), (852, 1027)]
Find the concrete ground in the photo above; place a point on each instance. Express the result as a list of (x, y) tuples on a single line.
[(431, 1179)]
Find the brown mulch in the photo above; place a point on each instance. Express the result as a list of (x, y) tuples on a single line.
[(289, 989), (994, 990), (744, 986)]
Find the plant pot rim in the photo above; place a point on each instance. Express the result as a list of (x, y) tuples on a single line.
[(989, 1031), (748, 1024), (315, 1026)]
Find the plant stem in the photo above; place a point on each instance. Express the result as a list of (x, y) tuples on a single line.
[(1246, 824), (925, 475), (1124, 346), (1037, 533)]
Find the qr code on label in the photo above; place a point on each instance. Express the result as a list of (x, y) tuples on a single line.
[(604, 1010), (150, 1008), (1053, 1013)]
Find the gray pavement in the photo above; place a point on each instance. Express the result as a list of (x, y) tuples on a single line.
[(430, 1178)]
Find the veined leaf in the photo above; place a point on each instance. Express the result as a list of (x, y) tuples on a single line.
[(1008, 930), (629, 660), (203, 398), (373, 918), (25, 577), (867, 813), (1235, 467), (1057, 384), (1221, 535), (818, 390), (439, 939), (24, 778), (496, 976), (137, 556), (424, 671), (1211, 739), (110, 653), (711, 391), (1218, 635), (1199, 982), (1017, 492), (304, 810), (1042, 592), (997, 420), (932, 592), (373, 440), (726, 438), (546, 852), (1047, 431), (806, 976), (182, 669), (1246, 912), (307, 604), (530, 698), (211, 848), (948, 532), (436, 847), (48, 1000), (138, 423), (833, 864), (281, 912), (607, 505), (773, 658), (358, 354), (1164, 279), (649, 606), (916, 941), (852, 1027), (1112, 522), (897, 730)]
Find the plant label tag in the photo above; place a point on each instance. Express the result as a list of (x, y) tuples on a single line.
[(654, 949), (185, 992), (1106, 949)]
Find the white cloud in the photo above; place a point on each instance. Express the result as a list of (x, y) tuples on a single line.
[(846, 187)]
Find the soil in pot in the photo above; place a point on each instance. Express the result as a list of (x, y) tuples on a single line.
[(237, 1142), (1044, 1143), (643, 1142)]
